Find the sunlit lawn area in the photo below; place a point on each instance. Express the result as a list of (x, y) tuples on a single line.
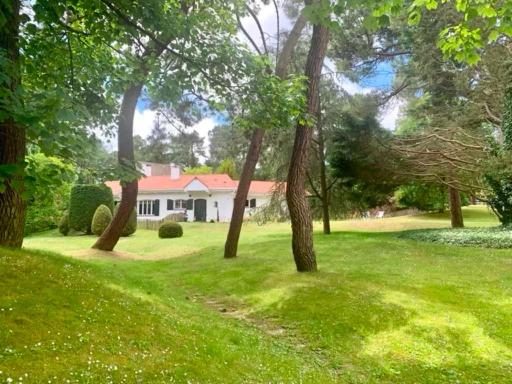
[(380, 310)]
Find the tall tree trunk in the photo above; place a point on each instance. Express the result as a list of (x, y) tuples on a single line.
[(111, 235), (253, 154), (12, 134), (235, 225), (302, 224), (455, 208)]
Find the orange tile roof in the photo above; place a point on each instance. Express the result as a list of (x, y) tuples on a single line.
[(211, 181)]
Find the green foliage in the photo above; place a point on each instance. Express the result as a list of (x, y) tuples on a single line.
[(169, 230), (48, 182), (494, 237), (199, 170), (101, 219), (425, 197), (64, 224), (357, 157), (498, 169), (131, 225), (506, 124), (84, 199), (227, 166)]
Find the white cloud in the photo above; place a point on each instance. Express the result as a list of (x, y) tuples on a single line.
[(267, 18), (390, 114), (352, 87), (143, 122), (203, 127)]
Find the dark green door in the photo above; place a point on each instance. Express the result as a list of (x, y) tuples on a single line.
[(200, 210)]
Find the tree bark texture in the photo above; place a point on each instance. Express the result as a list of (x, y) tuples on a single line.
[(235, 225), (12, 134), (253, 154), (300, 214), (455, 208), (111, 235)]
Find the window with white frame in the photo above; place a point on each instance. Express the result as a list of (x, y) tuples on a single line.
[(180, 204), (145, 207)]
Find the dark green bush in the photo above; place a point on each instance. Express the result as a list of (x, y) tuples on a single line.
[(490, 237), (101, 219), (64, 224), (83, 201), (131, 225), (170, 229)]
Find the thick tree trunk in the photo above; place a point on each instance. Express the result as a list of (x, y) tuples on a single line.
[(302, 225), (455, 208), (235, 226), (111, 235), (12, 134), (253, 155)]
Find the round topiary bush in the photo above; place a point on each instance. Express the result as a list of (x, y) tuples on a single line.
[(64, 224), (131, 225), (101, 219), (83, 201), (169, 230)]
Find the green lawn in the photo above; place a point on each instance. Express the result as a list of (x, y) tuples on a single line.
[(380, 310)]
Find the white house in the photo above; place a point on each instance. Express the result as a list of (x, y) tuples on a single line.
[(165, 190)]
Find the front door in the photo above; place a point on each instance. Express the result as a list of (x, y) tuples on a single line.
[(200, 210)]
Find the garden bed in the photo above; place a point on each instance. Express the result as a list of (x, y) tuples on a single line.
[(490, 237)]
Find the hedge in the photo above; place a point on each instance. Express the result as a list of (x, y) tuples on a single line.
[(101, 219), (64, 224), (83, 201), (169, 230)]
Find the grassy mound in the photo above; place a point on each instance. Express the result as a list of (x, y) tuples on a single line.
[(80, 329), (491, 237)]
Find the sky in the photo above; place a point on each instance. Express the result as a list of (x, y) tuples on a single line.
[(381, 79)]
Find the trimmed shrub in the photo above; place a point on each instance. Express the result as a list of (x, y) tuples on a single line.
[(64, 224), (83, 201), (101, 219), (169, 230), (131, 225)]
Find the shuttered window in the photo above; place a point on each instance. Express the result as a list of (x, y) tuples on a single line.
[(253, 203)]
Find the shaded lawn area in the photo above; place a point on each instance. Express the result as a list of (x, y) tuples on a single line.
[(381, 310)]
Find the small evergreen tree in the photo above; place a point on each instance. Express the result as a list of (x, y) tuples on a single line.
[(101, 219), (83, 201)]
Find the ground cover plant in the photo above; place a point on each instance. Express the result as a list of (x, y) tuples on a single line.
[(492, 237), (380, 309)]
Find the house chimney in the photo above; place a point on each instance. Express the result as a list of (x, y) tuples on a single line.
[(175, 172)]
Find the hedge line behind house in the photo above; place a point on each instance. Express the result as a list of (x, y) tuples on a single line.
[(488, 237), (83, 201)]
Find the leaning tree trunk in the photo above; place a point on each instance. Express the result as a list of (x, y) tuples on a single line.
[(253, 154), (302, 224), (12, 134), (455, 208), (235, 225), (111, 235)]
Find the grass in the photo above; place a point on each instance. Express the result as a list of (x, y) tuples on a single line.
[(380, 310)]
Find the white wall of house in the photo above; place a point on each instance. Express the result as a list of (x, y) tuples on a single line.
[(219, 204)]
